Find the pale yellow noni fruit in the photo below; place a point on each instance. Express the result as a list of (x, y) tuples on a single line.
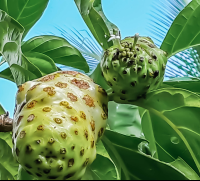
[(57, 122)]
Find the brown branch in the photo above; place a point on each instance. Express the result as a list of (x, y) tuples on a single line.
[(6, 123)]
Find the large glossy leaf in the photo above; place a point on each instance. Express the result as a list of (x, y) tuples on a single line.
[(26, 12), (124, 118), (170, 122), (135, 165), (99, 25), (8, 165), (58, 49), (191, 84), (184, 31), (44, 63), (101, 169), (25, 75), (7, 74), (10, 43)]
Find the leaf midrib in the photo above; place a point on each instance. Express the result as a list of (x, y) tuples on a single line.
[(22, 10), (174, 127)]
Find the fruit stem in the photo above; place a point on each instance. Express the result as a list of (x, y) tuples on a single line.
[(116, 41), (136, 37), (6, 123)]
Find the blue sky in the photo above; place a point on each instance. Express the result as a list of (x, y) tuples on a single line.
[(131, 16)]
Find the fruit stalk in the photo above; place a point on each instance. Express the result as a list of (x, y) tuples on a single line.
[(6, 123)]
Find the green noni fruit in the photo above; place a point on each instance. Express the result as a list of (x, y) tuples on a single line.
[(133, 67), (57, 122)]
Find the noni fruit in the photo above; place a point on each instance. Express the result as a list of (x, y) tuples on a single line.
[(57, 122), (133, 67)]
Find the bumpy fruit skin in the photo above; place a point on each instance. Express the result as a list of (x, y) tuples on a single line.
[(134, 69), (57, 121)]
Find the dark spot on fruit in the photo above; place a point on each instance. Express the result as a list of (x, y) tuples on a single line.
[(131, 63), (92, 144), (124, 59), (63, 135), (135, 56), (139, 68), (150, 61), (113, 92), (17, 151), (60, 168), (114, 79), (123, 92), (38, 141), (107, 68), (38, 161), (52, 177), (62, 151), (82, 152), (133, 84), (100, 133), (50, 152), (124, 72), (28, 149), (22, 106), (144, 76), (110, 84), (154, 57), (71, 162), (29, 172), (19, 120), (63, 158), (68, 176), (47, 171), (28, 166), (39, 175), (156, 73), (86, 162), (51, 140), (76, 132), (141, 59), (86, 134), (137, 49), (73, 147)]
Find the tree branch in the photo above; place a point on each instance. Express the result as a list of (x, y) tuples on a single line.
[(6, 123)]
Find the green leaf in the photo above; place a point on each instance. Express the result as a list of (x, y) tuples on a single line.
[(96, 75), (8, 165), (99, 25), (7, 74), (170, 122), (124, 118), (58, 49), (191, 84), (10, 43), (101, 169), (25, 75), (44, 63), (2, 111), (184, 31), (135, 165), (26, 12)]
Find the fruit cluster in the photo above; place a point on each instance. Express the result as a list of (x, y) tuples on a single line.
[(133, 68), (57, 122)]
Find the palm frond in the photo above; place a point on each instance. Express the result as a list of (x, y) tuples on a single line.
[(163, 13), (85, 43)]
